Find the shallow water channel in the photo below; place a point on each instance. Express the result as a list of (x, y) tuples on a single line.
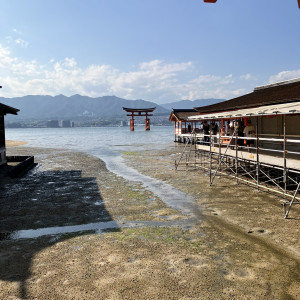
[(115, 163)]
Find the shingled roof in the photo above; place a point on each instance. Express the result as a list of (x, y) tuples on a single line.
[(182, 114), (5, 109), (281, 92)]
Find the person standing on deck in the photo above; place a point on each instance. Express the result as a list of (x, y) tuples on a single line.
[(240, 132), (206, 132), (214, 128), (231, 128), (214, 131), (249, 131), (201, 128)]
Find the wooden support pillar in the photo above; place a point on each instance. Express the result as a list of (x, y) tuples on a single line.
[(2, 141), (147, 123), (2, 132), (132, 123)]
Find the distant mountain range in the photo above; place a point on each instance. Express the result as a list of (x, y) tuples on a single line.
[(62, 107), (77, 106)]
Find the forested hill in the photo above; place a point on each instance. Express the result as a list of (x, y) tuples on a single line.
[(62, 107)]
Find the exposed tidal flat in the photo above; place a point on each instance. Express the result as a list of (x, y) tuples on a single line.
[(227, 242)]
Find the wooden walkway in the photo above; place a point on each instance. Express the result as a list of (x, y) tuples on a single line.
[(265, 158)]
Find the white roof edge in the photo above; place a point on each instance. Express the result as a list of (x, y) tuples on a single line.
[(261, 87), (267, 110)]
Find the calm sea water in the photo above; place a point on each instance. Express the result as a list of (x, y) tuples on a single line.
[(94, 139)]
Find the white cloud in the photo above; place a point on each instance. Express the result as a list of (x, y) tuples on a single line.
[(154, 80), (17, 39), (70, 62), (21, 43), (284, 75), (203, 79), (17, 31), (247, 76)]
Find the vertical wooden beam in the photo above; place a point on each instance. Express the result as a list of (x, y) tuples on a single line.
[(2, 141), (2, 131), (132, 122), (147, 122)]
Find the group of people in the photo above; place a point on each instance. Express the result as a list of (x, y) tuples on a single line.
[(247, 131), (242, 131), (208, 129)]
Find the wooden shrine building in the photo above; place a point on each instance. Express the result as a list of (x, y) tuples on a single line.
[(139, 112), (257, 140)]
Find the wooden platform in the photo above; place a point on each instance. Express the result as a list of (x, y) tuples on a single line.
[(264, 158)]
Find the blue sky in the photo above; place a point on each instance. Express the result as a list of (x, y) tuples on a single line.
[(157, 50)]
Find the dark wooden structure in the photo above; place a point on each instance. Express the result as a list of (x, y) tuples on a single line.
[(4, 109), (276, 93), (139, 112)]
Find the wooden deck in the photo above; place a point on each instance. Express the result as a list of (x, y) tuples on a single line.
[(263, 158)]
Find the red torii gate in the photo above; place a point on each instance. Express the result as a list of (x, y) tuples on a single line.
[(214, 1), (139, 112)]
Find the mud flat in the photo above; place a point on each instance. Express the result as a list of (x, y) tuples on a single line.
[(117, 239)]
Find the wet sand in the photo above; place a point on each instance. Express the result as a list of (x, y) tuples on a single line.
[(234, 245), (14, 143)]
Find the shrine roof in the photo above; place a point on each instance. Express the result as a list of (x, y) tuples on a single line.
[(182, 114), (5, 109), (277, 93)]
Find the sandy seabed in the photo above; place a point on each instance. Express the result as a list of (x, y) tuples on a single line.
[(239, 247), (14, 143)]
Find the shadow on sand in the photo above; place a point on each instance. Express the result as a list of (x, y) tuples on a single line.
[(38, 202)]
